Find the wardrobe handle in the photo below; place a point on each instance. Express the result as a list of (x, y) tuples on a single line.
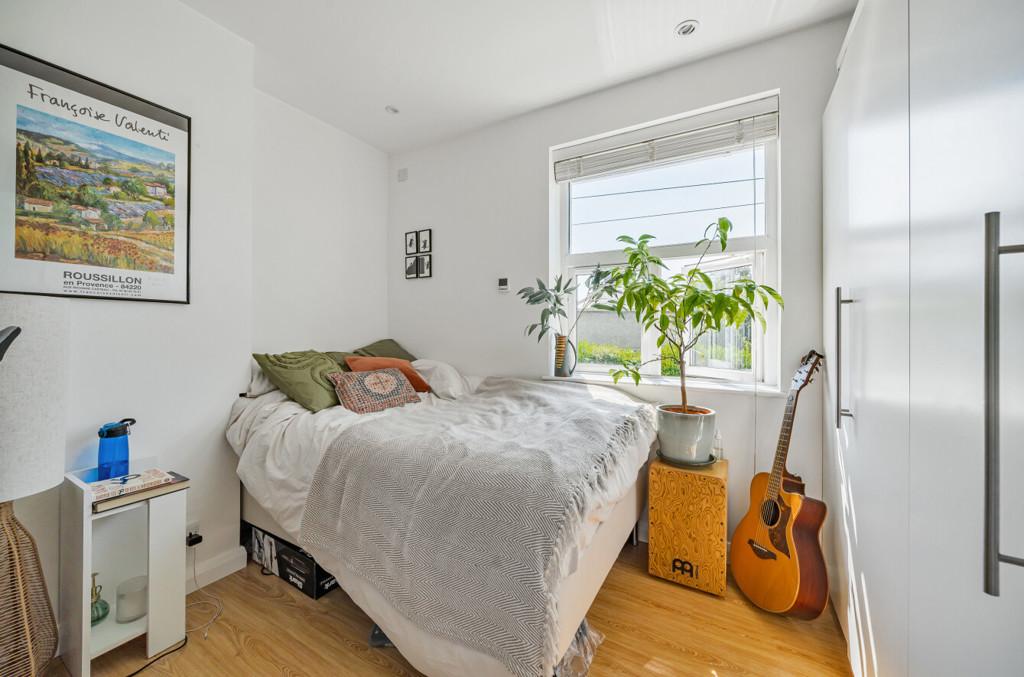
[(840, 411), (993, 251)]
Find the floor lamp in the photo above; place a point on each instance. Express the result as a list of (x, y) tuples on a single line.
[(32, 352)]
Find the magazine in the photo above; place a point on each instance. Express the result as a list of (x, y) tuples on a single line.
[(131, 483)]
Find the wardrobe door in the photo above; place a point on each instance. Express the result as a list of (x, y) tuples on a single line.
[(866, 229), (967, 158)]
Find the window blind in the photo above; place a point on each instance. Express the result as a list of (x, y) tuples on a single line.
[(720, 137)]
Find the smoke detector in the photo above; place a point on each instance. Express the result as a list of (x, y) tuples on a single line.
[(391, 109), (688, 27)]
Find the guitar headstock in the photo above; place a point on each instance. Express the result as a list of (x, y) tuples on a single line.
[(805, 373)]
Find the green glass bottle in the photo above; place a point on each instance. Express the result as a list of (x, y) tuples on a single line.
[(100, 608)]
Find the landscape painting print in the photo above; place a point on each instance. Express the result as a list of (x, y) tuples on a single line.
[(89, 197), (95, 183)]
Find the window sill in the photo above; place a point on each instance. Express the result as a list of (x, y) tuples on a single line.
[(667, 383)]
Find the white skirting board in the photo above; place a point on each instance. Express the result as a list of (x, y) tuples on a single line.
[(214, 568)]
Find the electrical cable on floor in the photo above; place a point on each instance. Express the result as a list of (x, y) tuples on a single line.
[(213, 600), (205, 627), (165, 654)]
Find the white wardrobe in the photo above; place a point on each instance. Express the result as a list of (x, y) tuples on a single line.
[(924, 448)]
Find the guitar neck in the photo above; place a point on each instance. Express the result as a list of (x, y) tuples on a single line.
[(782, 450)]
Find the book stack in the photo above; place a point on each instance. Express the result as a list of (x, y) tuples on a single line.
[(118, 491)]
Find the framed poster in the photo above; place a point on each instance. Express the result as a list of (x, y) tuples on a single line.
[(94, 188), (410, 242), (411, 267)]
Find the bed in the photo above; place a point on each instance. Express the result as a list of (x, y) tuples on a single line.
[(285, 457)]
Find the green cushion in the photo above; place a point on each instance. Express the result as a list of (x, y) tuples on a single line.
[(302, 376), (386, 348), (339, 357)]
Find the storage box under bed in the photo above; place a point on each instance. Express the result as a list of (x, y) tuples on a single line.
[(286, 560)]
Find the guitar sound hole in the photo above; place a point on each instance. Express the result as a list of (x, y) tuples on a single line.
[(770, 513)]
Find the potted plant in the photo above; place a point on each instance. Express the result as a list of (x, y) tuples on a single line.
[(681, 309), (600, 285)]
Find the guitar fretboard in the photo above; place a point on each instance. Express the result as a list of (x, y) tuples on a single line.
[(782, 450)]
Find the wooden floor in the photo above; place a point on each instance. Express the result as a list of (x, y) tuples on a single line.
[(651, 627)]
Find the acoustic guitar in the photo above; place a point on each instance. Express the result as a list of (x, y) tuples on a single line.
[(776, 550)]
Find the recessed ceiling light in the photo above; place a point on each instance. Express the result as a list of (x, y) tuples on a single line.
[(688, 27), (391, 109)]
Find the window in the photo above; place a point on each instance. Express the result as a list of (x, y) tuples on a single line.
[(673, 202), (603, 338), (728, 353), (618, 190)]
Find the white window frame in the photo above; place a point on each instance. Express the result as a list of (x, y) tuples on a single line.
[(765, 252)]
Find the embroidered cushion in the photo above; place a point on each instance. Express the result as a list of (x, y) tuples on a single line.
[(358, 363), (367, 391)]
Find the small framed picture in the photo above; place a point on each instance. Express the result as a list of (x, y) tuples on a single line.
[(411, 242), (423, 266), (425, 238), (411, 267)]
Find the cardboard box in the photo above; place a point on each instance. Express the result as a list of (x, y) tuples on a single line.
[(287, 560)]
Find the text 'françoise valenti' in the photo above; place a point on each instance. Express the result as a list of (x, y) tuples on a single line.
[(77, 111)]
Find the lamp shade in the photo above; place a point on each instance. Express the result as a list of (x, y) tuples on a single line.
[(32, 391)]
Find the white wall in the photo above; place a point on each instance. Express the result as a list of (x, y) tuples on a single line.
[(486, 195), (288, 228), (319, 234), (175, 368)]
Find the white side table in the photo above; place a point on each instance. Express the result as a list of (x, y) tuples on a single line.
[(142, 538)]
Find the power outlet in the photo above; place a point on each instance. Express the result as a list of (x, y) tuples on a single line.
[(193, 536)]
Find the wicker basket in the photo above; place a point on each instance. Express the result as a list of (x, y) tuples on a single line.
[(28, 632)]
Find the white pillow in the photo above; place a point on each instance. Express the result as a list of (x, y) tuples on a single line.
[(259, 384), (444, 380)]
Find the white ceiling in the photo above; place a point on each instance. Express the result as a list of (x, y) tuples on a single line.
[(451, 66)]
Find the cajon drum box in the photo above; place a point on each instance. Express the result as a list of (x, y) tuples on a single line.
[(688, 523)]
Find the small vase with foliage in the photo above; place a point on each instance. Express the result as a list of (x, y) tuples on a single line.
[(600, 286), (681, 309)]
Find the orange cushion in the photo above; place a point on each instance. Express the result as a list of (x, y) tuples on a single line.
[(358, 363)]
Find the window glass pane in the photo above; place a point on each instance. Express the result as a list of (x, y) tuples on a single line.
[(730, 348), (603, 338), (673, 202)]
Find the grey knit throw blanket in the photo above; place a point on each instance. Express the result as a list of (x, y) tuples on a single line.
[(460, 514)]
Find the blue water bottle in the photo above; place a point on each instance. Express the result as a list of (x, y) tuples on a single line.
[(113, 455)]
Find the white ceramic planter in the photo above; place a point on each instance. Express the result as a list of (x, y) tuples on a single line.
[(686, 438)]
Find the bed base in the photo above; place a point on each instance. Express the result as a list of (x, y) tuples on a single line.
[(437, 657)]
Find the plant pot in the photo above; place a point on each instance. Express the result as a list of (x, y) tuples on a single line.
[(686, 438), (562, 367)]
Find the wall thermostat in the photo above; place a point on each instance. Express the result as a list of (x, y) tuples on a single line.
[(503, 284)]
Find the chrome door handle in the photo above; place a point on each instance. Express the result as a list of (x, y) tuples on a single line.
[(840, 410), (993, 251)]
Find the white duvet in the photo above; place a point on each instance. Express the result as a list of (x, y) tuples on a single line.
[(280, 444)]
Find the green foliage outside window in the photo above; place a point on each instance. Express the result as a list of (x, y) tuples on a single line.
[(605, 353), (608, 353)]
